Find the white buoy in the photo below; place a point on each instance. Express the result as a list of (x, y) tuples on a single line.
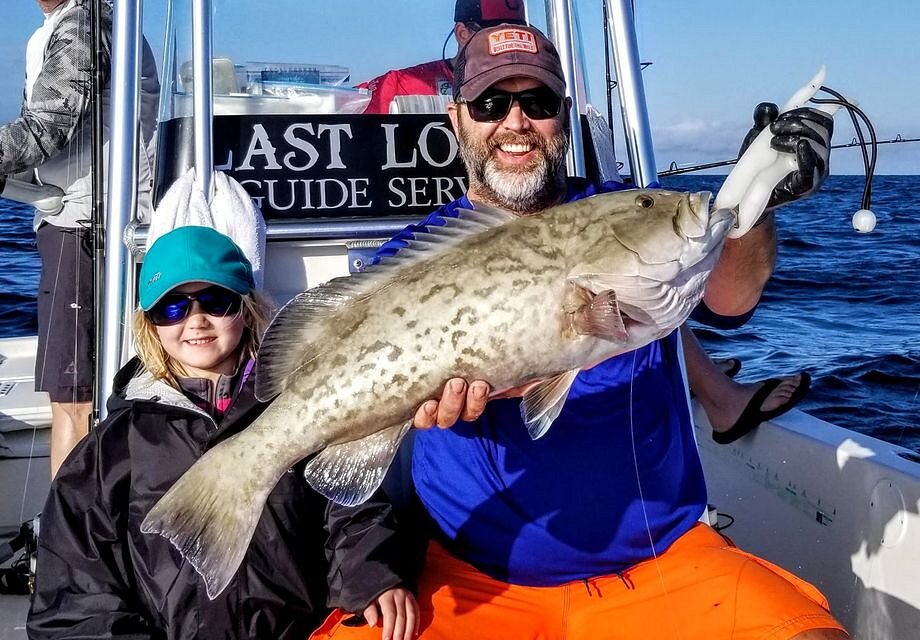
[(864, 221)]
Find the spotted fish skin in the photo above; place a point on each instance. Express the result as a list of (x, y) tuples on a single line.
[(505, 299)]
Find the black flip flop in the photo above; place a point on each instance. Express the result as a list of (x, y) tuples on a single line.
[(752, 416)]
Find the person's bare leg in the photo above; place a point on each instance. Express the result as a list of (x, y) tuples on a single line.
[(69, 423), (722, 398)]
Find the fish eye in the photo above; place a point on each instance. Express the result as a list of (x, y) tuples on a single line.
[(646, 202)]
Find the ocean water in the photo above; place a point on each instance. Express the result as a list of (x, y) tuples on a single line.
[(841, 305), (19, 270)]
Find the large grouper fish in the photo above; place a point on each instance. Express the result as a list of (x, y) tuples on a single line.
[(488, 296)]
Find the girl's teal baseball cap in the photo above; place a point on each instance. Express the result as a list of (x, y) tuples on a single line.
[(193, 254)]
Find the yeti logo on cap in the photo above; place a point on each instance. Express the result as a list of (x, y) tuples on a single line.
[(508, 40)]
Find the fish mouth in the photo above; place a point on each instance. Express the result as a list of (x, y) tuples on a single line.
[(692, 218), (695, 220), (699, 202)]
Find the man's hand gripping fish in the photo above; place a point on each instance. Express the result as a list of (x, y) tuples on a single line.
[(488, 296)]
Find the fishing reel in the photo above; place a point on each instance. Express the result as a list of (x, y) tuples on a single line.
[(19, 577), (46, 198)]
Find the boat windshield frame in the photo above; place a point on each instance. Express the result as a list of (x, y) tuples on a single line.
[(125, 238)]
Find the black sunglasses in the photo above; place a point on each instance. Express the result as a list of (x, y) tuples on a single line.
[(539, 103), (173, 308)]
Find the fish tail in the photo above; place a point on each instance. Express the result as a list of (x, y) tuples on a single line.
[(211, 512)]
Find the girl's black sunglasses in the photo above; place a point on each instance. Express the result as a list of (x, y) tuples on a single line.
[(539, 103), (173, 308)]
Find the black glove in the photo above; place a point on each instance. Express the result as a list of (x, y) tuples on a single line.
[(805, 132), (764, 114)]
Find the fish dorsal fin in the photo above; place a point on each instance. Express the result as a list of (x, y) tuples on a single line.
[(543, 402), (350, 473), (296, 334), (454, 230), (293, 337)]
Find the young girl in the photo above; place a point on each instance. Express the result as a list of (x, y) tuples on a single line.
[(197, 331)]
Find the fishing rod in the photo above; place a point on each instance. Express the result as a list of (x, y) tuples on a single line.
[(675, 169), (863, 219), (97, 220), (858, 141)]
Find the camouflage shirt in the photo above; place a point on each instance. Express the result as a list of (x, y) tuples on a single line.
[(61, 96), (53, 133)]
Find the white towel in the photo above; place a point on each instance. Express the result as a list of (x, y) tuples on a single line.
[(230, 211)]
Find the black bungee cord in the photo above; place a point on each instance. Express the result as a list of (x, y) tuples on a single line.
[(868, 162)]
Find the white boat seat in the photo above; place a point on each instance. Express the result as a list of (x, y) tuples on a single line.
[(419, 104), (21, 407)]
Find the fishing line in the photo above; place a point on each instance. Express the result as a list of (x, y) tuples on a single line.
[(632, 437), (75, 148), (22, 504)]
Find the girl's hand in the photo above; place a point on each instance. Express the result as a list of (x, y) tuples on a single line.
[(399, 611)]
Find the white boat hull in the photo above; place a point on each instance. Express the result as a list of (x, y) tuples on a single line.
[(25, 421), (837, 508)]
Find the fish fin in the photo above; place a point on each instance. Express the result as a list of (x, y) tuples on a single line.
[(650, 302), (294, 336), (297, 333), (454, 230), (351, 472), (208, 515), (601, 316), (496, 213), (543, 402)]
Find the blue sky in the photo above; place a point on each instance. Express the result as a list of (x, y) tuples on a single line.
[(713, 60)]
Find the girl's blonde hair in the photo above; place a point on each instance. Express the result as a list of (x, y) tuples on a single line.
[(256, 311)]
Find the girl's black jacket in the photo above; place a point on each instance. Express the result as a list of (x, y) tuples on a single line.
[(98, 576)]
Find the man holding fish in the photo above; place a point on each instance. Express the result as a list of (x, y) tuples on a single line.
[(573, 511), (591, 531)]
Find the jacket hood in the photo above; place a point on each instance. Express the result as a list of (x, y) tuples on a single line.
[(134, 383)]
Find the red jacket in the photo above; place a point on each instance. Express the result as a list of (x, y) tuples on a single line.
[(428, 79)]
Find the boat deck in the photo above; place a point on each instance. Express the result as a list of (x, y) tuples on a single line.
[(13, 610)]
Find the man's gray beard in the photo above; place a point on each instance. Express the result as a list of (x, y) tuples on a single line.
[(518, 191)]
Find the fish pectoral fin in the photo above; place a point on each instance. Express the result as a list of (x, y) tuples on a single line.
[(601, 316), (543, 402), (349, 473)]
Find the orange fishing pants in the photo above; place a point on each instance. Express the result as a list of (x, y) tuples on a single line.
[(701, 588)]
